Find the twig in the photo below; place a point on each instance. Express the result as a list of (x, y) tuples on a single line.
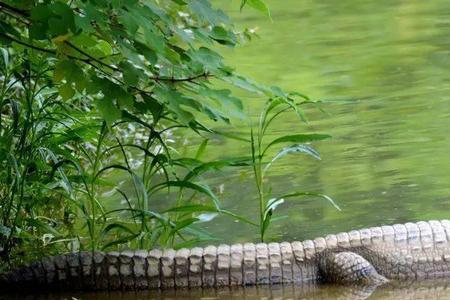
[(14, 9)]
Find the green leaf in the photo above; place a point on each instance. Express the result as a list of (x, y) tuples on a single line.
[(217, 165), (192, 208), (227, 102), (223, 36), (273, 203), (108, 110), (202, 10), (120, 241), (5, 56), (210, 60), (61, 19), (328, 198), (66, 91), (201, 208), (115, 226), (201, 149), (258, 5), (71, 72), (174, 101), (290, 150), (150, 104), (245, 83), (298, 138), (104, 47), (193, 186), (206, 217), (131, 75), (184, 223)]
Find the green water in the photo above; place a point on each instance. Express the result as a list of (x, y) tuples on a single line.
[(383, 69), (415, 291)]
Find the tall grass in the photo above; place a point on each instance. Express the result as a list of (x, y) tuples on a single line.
[(34, 185), (263, 155), (69, 181)]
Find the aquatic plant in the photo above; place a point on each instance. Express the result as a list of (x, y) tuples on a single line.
[(276, 108), (92, 93)]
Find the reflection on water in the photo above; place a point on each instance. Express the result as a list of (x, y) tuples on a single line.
[(388, 159), (427, 290)]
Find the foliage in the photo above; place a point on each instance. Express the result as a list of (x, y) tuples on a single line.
[(133, 57), (92, 95), (33, 183), (60, 160), (93, 91), (276, 108)]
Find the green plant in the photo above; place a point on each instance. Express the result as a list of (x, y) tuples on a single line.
[(135, 223), (33, 182), (91, 93), (275, 108), (99, 67)]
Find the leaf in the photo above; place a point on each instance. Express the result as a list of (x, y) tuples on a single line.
[(5, 231), (71, 72), (328, 198), (182, 224), (217, 165), (298, 138), (245, 83), (199, 207), (206, 217), (258, 5), (174, 101), (192, 208), (210, 60), (273, 203), (293, 149), (131, 74), (66, 91), (115, 226), (202, 10), (193, 186), (108, 110), (5, 56), (120, 241), (238, 217), (229, 104), (61, 20), (223, 36), (201, 149), (140, 190), (266, 223)]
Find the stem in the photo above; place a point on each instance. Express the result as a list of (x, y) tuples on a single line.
[(256, 159), (91, 192)]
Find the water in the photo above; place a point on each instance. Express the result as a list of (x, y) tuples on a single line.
[(382, 67), (415, 291)]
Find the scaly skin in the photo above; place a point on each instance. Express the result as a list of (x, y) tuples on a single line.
[(367, 257)]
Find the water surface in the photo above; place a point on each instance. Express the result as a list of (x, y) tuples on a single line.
[(383, 67), (430, 291)]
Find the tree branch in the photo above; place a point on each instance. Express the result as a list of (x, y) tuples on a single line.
[(90, 57), (14, 9), (7, 36)]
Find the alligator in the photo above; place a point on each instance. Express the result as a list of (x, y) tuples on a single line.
[(366, 257)]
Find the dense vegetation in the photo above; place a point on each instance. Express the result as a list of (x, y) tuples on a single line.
[(92, 95)]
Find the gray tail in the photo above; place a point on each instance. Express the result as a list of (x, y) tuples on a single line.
[(68, 271)]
